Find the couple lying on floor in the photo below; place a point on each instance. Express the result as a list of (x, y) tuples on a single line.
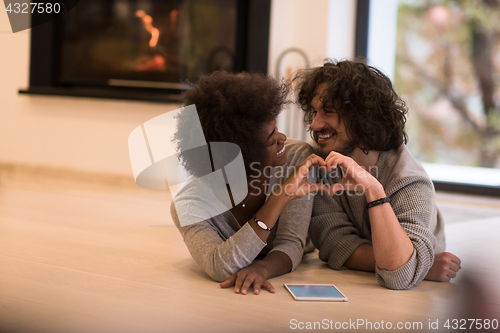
[(380, 217)]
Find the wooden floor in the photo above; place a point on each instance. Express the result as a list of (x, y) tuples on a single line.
[(92, 258)]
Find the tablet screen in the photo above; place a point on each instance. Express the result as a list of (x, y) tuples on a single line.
[(315, 291)]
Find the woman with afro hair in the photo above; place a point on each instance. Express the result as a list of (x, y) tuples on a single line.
[(273, 219)]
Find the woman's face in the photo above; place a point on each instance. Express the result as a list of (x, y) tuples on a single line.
[(274, 141)]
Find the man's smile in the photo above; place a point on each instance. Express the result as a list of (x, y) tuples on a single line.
[(325, 136)]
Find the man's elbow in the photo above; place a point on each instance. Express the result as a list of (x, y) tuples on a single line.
[(334, 263), (395, 284), (398, 280)]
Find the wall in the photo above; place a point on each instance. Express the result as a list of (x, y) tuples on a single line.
[(64, 132), (320, 29), (90, 134)]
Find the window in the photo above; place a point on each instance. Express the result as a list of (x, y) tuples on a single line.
[(444, 59)]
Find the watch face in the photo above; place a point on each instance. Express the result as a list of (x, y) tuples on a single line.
[(262, 225)]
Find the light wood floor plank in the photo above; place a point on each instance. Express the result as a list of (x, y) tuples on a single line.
[(110, 260)]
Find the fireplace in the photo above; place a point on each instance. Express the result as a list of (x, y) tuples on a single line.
[(146, 49)]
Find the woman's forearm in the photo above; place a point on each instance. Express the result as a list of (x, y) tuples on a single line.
[(275, 263), (269, 213)]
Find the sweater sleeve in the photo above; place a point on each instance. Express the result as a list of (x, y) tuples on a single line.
[(332, 233), (291, 233), (414, 206), (218, 256)]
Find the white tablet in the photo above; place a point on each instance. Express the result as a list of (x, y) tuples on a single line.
[(315, 292)]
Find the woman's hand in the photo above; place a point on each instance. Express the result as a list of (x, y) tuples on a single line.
[(254, 274), (355, 177), (296, 186)]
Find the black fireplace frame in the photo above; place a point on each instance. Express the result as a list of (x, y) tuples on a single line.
[(252, 49)]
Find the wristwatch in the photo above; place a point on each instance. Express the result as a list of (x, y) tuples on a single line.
[(261, 224)]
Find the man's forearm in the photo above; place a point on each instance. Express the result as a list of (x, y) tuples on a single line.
[(392, 247), (362, 259)]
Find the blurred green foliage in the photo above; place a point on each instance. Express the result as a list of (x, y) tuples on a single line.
[(448, 72)]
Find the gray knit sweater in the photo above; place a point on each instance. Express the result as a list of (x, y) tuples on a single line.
[(340, 224), (221, 247)]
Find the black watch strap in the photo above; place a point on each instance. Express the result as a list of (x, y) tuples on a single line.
[(378, 202)]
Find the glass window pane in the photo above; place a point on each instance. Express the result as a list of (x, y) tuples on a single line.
[(448, 71)]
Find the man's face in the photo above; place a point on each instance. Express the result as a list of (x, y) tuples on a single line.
[(328, 131)]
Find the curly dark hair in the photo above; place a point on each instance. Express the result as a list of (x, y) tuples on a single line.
[(364, 99), (232, 108)]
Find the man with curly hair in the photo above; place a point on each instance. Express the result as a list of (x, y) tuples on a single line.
[(384, 217)]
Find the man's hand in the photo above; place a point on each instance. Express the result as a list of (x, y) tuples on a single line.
[(445, 267), (296, 185), (254, 274), (356, 178)]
